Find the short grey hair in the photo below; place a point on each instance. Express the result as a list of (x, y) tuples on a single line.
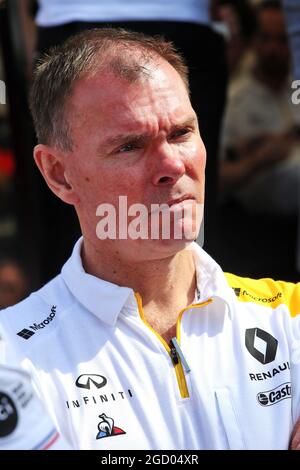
[(83, 55)]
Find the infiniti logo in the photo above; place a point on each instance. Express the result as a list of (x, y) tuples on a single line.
[(261, 345), (88, 381)]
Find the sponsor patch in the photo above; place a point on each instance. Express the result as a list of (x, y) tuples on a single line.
[(271, 397)]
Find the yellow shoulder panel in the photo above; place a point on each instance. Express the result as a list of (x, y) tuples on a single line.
[(266, 292)]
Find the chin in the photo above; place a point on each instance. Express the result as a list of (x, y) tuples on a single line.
[(176, 245), (156, 249)]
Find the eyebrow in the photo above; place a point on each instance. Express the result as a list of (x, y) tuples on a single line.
[(123, 138)]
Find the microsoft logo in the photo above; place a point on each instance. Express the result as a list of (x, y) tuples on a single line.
[(237, 291), (25, 334)]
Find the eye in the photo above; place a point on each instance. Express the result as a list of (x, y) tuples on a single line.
[(185, 132), (130, 147)]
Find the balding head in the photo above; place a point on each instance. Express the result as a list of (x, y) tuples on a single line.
[(124, 53)]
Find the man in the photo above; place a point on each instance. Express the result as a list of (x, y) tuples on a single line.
[(261, 125), (13, 283), (188, 24), (141, 343)]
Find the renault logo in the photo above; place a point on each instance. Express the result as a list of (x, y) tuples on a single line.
[(88, 381), (261, 345)]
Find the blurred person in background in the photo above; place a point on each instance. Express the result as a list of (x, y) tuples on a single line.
[(14, 285), (238, 20), (261, 133), (260, 159)]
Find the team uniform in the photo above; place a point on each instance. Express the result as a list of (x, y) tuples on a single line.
[(229, 380), (24, 422)]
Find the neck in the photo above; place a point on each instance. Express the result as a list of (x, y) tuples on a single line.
[(166, 285), (151, 278)]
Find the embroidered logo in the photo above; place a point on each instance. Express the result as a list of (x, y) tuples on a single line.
[(106, 427)]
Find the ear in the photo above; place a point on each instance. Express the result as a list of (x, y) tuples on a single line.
[(52, 166)]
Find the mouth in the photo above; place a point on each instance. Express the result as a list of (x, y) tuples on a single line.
[(186, 197)]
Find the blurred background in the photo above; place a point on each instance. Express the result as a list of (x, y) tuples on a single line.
[(244, 58)]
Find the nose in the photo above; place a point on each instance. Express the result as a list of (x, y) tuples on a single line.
[(169, 165)]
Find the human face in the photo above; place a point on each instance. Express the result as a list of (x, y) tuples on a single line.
[(139, 140), (12, 285), (272, 43)]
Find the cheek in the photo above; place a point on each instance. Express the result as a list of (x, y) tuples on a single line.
[(196, 159), (202, 156), (106, 185)]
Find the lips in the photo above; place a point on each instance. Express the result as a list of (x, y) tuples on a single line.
[(180, 199)]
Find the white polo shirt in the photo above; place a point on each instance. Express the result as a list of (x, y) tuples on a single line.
[(24, 422), (109, 382)]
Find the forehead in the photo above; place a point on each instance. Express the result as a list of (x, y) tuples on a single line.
[(108, 102)]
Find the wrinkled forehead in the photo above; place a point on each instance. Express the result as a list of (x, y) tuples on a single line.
[(129, 68), (108, 90)]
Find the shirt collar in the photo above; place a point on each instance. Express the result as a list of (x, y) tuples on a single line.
[(106, 300), (211, 281)]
